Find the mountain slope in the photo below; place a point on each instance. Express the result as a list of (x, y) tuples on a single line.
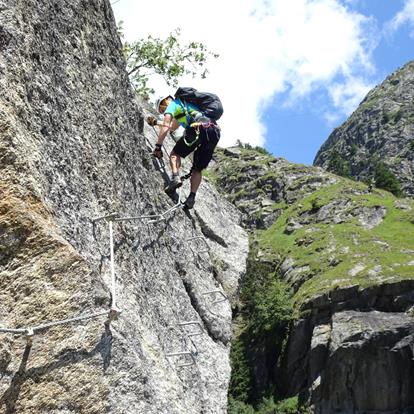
[(347, 253), (378, 135)]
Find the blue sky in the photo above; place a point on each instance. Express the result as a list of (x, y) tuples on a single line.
[(297, 132), (288, 71)]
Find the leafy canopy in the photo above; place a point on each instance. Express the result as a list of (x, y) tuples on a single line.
[(169, 58)]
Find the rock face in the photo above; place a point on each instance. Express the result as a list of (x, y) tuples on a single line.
[(345, 355), (260, 185), (347, 252), (381, 129), (73, 147)]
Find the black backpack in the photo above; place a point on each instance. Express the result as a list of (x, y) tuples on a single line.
[(208, 103)]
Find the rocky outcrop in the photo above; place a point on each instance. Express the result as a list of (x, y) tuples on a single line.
[(344, 364), (73, 147), (380, 130), (347, 252), (260, 185)]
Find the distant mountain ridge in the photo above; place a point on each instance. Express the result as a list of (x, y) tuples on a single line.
[(379, 133)]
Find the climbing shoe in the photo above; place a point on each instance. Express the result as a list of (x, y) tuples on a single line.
[(174, 184), (189, 203)]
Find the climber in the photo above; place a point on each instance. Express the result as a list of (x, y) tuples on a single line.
[(201, 135)]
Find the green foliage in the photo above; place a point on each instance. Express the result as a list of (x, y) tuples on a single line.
[(354, 149), (256, 148), (288, 406), (386, 180), (262, 150), (168, 58), (392, 117), (272, 308), (353, 243), (338, 165), (239, 407), (266, 311), (240, 381), (266, 406)]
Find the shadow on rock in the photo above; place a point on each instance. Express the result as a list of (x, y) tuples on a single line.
[(67, 357)]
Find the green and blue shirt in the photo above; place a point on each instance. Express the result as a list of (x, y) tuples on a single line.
[(184, 113)]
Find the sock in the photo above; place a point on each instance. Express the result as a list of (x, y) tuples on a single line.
[(175, 174), (192, 195)]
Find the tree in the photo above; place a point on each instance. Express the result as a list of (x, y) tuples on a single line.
[(338, 165), (386, 180), (168, 58)]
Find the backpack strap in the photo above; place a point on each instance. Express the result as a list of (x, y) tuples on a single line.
[(185, 112)]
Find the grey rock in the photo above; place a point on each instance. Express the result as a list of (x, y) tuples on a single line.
[(369, 337), (73, 147), (380, 129), (370, 217)]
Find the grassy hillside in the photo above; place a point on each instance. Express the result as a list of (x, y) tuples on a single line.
[(313, 234)]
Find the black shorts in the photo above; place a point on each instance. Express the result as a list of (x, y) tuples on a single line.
[(203, 147)]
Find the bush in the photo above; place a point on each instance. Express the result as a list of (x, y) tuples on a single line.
[(257, 148), (266, 311), (272, 309), (338, 165), (239, 407), (353, 150), (240, 381), (386, 180), (267, 406)]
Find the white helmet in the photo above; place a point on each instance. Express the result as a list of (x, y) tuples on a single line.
[(160, 100)]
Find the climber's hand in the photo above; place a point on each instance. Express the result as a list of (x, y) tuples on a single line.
[(157, 153), (152, 120)]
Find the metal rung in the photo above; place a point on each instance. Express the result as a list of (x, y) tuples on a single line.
[(201, 330), (182, 353), (213, 292), (155, 218), (148, 216)]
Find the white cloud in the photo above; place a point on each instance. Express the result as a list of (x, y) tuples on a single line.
[(266, 47), (346, 97), (405, 16)]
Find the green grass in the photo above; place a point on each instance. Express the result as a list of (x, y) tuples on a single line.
[(316, 245), (327, 253)]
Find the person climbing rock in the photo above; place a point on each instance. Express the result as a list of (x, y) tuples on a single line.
[(197, 112)]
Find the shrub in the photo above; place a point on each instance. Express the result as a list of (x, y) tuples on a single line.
[(386, 180), (266, 311), (239, 407), (338, 165), (269, 406), (240, 381)]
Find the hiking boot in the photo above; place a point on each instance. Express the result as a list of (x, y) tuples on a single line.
[(173, 184), (189, 203)]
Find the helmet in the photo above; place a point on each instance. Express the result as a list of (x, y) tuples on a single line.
[(160, 100)]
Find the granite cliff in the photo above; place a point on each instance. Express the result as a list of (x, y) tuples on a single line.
[(381, 130), (73, 148)]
